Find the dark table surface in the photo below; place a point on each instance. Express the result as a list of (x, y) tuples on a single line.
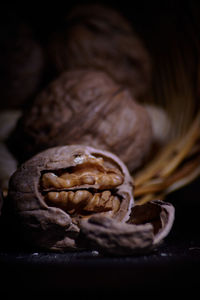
[(175, 264)]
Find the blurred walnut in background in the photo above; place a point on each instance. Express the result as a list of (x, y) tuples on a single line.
[(22, 64), (96, 36), (8, 163), (89, 108)]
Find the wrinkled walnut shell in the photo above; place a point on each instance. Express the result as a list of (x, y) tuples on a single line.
[(53, 223), (99, 37), (89, 108), (148, 225), (111, 237)]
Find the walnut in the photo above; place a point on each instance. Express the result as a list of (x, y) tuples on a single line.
[(148, 225), (161, 124), (1, 202), (89, 108), (8, 120), (53, 191), (22, 64), (100, 37), (8, 163)]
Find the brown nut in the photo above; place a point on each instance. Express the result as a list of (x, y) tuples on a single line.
[(57, 188), (1, 201), (85, 107), (99, 37), (111, 237)]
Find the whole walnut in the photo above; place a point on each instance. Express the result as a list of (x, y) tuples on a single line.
[(1, 201), (8, 163), (89, 108), (98, 36), (22, 64), (52, 192)]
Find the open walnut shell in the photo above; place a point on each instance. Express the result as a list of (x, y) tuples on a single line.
[(99, 37), (148, 225), (57, 188), (89, 108)]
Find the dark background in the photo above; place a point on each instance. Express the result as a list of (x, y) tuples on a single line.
[(145, 15), (175, 265)]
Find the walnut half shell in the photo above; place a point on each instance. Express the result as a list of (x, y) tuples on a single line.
[(148, 225), (57, 188)]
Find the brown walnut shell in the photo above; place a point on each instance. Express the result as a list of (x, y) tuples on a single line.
[(159, 214), (53, 191), (148, 225), (111, 237), (99, 37), (89, 108)]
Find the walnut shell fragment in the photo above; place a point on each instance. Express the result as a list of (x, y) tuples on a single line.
[(89, 108), (159, 213), (109, 236), (57, 188), (100, 37), (148, 225)]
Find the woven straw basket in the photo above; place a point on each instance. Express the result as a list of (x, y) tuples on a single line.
[(175, 88)]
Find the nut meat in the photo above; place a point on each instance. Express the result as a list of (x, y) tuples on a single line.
[(89, 108), (52, 192)]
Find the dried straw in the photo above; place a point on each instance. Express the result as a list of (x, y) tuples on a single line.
[(175, 87)]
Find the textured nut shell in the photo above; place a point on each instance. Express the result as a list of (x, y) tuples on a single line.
[(85, 107), (110, 236), (96, 36), (159, 213), (148, 225), (51, 227)]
